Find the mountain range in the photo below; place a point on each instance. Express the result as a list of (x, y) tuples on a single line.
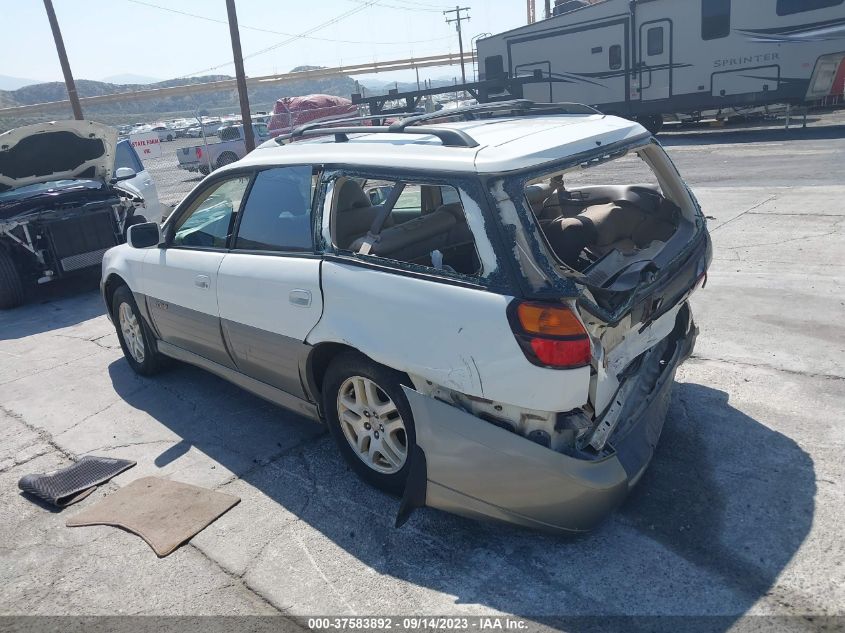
[(214, 103)]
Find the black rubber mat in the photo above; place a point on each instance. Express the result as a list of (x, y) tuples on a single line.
[(68, 485)]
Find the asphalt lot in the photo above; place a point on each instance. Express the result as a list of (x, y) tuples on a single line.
[(740, 512)]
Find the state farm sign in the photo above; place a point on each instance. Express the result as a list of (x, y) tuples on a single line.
[(146, 144)]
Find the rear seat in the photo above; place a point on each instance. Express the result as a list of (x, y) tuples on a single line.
[(355, 214), (414, 239)]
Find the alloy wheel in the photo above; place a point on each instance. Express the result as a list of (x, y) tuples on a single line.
[(132, 335), (372, 425)]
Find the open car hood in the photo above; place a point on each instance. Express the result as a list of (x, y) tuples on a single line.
[(59, 150)]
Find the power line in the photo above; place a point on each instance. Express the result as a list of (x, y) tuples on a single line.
[(417, 6), (272, 32), (293, 38)]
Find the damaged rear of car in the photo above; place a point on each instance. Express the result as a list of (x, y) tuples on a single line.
[(61, 205), (605, 270)]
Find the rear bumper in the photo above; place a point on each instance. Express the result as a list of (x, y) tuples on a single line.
[(470, 467)]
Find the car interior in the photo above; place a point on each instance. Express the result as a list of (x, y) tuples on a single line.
[(587, 224), (426, 224)]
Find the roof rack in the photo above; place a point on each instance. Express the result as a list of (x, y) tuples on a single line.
[(513, 107), (450, 137), (326, 123)]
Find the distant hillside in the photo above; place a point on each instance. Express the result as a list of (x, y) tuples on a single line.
[(13, 83), (261, 98), (130, 78)]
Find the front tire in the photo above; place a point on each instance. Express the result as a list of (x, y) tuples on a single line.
[(136, 340), (370, 419), (11, 283)]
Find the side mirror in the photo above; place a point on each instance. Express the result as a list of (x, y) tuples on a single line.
[(143, 235), (123, 173)]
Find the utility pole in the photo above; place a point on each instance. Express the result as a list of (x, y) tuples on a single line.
[(457, 20), (60, 49), (548, 11), (532, 12), (246, 117)]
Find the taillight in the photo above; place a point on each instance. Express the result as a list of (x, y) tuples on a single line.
[(550, 335)]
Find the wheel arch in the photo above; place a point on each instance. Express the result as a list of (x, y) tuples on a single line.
[(321, 356), (112, 283), (221, 162)]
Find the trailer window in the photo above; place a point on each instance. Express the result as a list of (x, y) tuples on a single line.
[(655, 40), (716, 19), (788, 7), (615, 57)]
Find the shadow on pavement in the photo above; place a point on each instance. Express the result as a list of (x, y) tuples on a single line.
[(727, 135), (52, 306), (724, 506)]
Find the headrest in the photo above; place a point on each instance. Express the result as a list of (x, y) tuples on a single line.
[(455, 208), (351, 196), (538, 193)]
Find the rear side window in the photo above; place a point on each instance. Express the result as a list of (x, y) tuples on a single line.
[(277, 213), (615, 57), (716, 19), (788, 7), (426, 226), (655, 40)]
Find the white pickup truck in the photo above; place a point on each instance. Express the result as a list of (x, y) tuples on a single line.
[(205, 158)]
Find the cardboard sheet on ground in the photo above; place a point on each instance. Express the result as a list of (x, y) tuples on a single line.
[(162, 512)]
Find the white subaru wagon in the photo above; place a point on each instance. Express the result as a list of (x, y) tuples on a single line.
[(486, 308)]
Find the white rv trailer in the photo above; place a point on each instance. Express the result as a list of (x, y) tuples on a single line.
[(645, 58)]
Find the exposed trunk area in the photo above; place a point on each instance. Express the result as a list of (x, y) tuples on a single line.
[(611, 234)]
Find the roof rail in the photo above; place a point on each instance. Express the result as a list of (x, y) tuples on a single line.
[(448, 136), (514, 106), (326, 123)]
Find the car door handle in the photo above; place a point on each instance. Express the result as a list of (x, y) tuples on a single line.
[(300, 297), (202, 281)]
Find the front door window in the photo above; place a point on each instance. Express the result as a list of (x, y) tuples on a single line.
[(208, 223)]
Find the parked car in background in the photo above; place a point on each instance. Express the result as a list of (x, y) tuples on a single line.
[(126, 156), (164, 133), (63, 203), (497, 336), (205, 158)]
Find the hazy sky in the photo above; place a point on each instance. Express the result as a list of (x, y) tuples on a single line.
[(110, 37)]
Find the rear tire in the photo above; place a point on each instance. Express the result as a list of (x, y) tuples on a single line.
[(204, 170), (370, 419), (11, 283), (226, 158), (135, 338)]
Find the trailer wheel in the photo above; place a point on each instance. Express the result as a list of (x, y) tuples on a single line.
[(226, 158), (11, 284), (653, 123)]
